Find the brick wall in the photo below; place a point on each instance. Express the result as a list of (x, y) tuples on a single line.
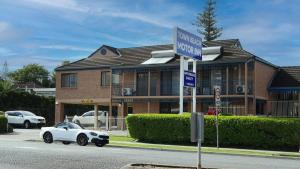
[(264, 74), (88, 86)]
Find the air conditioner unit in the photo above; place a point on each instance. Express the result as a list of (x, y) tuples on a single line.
[(240, 89), (127, 92)]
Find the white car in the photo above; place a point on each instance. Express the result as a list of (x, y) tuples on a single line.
[(24, 118), (87, 118), (68, 132)]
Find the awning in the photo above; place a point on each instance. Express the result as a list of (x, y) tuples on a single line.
[(160, 57)]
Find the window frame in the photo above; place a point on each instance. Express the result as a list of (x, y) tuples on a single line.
[(69, 78), (105, 78)]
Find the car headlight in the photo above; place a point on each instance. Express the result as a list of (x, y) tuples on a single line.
[(93, 133)]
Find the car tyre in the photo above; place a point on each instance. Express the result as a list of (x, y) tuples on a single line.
[(82, 140), (99, 144), (27, 124), (66, 142), (48, 138)]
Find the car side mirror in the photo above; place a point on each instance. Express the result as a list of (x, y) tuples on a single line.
[(20, 115), (66, 128)]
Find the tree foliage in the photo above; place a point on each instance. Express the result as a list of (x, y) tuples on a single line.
[(206, 22), (6, 86), (33, 73)]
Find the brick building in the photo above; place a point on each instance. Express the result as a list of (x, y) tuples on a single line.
[(146, 80)]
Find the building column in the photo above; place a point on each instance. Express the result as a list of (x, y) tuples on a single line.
[(299, 104), (96, 117), (123, 116), (246, 88), (227, 88), (59, 112), (110, 103), (227, 80), (149, 82), (254, 88)]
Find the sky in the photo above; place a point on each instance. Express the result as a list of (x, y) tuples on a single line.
[(49, 32)]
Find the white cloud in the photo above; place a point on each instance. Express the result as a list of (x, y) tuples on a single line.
[(161, 18), (66, 47), (59, 4)]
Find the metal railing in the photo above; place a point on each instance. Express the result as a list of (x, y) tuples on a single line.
[(284, 108), (231, 110)]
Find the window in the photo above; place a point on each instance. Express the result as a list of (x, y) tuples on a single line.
[(142, 84), (90, 113), (61, 125), (69, 80), (105, 78)]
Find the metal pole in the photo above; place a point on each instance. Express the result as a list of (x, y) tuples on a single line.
[(199, 153), (181, 85), (194, 89), (217, 126)]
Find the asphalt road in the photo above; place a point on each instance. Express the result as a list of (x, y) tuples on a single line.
[(19, 154)]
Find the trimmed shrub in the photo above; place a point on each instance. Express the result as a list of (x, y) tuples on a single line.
[(3, 124), (234, 131)]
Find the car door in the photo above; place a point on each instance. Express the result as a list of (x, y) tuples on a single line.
[(59, 132), (71, 133), (19, 118), (87, 118), (10, 117)]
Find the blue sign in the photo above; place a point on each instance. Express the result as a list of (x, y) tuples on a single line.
[(189, 79), (187, 44)]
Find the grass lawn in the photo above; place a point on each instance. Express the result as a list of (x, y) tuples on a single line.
[(124, 141)]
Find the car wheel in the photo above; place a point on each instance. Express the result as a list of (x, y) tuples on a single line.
[(66, 142), (82, 140), (48, 137), (99, 144), (27, 124)]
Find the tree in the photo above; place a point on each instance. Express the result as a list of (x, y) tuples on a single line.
[(65, 62), (206, 22), (53, 79), (33, 73), (6, 86)]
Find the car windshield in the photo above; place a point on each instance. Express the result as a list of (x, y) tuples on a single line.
[(75, 126), (27, 113)]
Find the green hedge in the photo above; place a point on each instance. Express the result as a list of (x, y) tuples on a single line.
[(3, 124), (39, 105), (235, 131)]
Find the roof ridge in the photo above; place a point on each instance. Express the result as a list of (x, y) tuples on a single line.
[(290, 67), (146, 46)]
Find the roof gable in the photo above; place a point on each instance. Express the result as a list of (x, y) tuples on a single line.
[(286, 77)]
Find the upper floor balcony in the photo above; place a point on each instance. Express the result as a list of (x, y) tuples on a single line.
[(165, 82)]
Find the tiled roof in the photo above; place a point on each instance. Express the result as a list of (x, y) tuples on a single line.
[(232, 51), (287, 77)]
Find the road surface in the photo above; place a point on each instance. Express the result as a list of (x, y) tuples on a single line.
[(20, 154)]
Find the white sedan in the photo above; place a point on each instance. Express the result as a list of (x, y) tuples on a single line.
[(68, 132)]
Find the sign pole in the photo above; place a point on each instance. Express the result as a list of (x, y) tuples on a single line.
[(194, 88), (181, 85), (217, 94), (199, 153), (217, 128)]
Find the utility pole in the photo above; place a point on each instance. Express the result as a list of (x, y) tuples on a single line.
[(5, 71)]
